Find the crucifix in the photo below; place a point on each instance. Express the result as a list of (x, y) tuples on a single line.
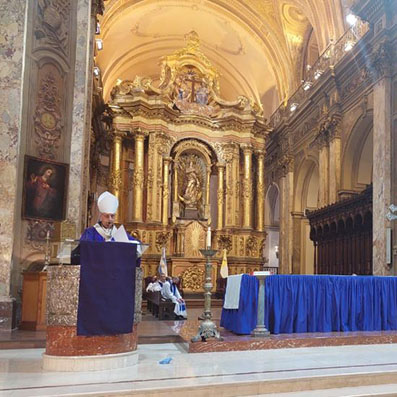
[(192, 80)]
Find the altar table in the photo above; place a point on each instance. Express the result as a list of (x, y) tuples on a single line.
[(297, 304)]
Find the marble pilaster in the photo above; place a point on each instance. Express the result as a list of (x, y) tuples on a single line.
[(12, 25), (81, 115), (286, 222), (323, 177), (334, 169), (381, 172)]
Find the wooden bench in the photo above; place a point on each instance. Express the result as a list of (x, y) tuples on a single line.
[(160, 307)]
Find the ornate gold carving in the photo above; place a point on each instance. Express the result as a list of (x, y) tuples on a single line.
[(193, 278), (62, 295), (162, 239), (116, 180), (251, 246), (137, 234), (225, 242), (194, 240)]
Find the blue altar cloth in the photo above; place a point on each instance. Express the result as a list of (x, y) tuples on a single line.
[(107, 288), (295, 304), (243, 319)]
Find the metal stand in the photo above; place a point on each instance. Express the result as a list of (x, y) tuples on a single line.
[(207, 328), (261, 331)]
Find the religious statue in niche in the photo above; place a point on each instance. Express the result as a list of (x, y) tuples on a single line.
[(190, 182), (192, 193)]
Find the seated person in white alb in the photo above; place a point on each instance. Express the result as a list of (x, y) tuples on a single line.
[(170, 291), (154, 285)]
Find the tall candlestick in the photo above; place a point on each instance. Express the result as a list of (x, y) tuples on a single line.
[(209, 237)]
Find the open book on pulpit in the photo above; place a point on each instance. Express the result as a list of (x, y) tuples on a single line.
[(69, 249)]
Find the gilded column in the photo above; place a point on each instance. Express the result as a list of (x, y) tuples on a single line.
[(166, 193), (137, 215), (247, 187), (260, 192), (221, 169), (116, 172)]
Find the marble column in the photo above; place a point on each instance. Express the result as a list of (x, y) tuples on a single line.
[(81, 116), (260, 192), (166, 194), (12, 29), (334, 169), (286, 222), (247, 187), (137, 214), (116, 173), (381, 172), (323, 177), (220, 201)]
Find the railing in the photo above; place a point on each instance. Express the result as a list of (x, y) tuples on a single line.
[(334, 53)]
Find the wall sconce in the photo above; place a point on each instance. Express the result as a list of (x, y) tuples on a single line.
[(307, 85), (99, 44), (317, 74), (293, 107), (351, 19), (98, 28), (96, 71), (276, 250), (349, 45)]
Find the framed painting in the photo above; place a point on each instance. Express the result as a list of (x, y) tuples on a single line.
[(44, 189)]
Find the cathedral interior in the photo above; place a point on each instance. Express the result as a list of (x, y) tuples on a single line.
[(267, 126), (271, 122)]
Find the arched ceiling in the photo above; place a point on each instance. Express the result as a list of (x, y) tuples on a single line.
[(256, 45)]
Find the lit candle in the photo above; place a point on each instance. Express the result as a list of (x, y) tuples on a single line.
[(48, 235), (209, 237)]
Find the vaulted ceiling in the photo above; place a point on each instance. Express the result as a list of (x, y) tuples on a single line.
[(257, 45)]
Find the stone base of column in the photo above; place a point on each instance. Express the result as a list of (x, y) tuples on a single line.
[(260, 332), (7, 313), (89, 363)]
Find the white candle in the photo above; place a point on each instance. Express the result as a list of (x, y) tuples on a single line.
[(209, 237)]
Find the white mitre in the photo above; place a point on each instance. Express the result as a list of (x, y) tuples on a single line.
[(107, 203)]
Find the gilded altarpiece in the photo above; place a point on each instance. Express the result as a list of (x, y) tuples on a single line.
[(195, 159)]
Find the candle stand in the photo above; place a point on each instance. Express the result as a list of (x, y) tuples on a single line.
[(207, 328)]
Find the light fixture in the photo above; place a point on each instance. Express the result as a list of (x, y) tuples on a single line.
[(119, 81), (276, 250), (99, 44), (96, 71), (307, 85), (293, 107), (351, 19), (317, 74), (308, 67), (349, 45), (98, 28)]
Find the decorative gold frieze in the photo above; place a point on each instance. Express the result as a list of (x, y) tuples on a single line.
[(193, 278), (162, 239), (225, 242)]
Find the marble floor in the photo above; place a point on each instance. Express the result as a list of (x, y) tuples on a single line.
[(358, 370)]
